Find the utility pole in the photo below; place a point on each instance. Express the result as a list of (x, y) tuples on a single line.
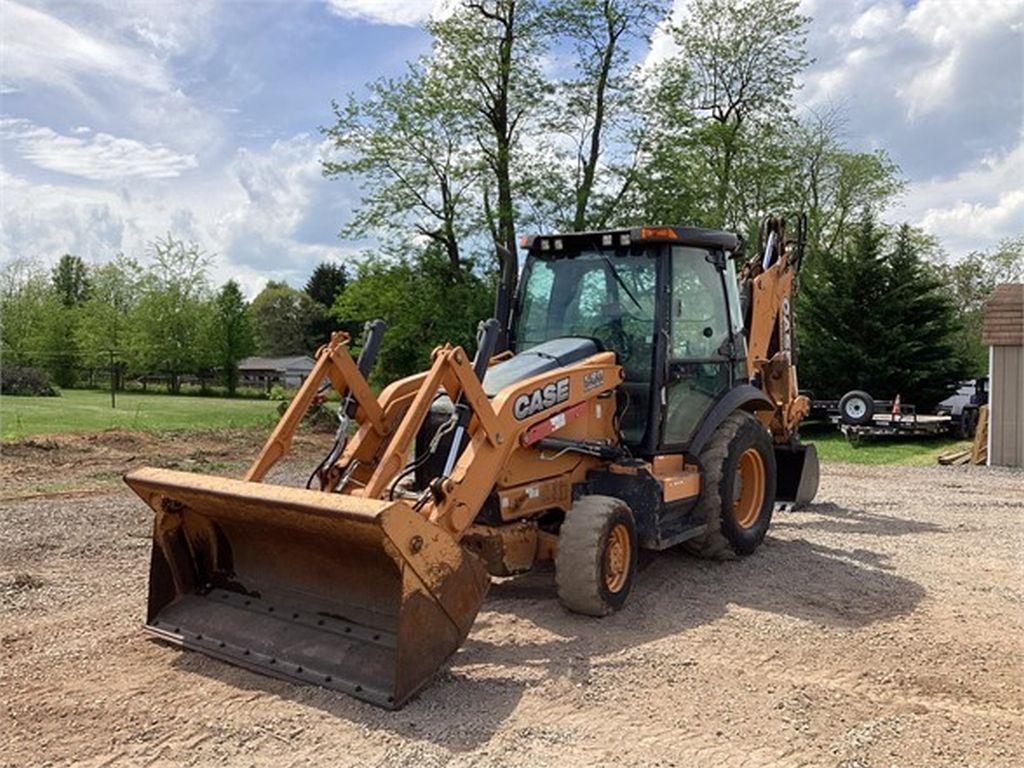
[(113, 382)]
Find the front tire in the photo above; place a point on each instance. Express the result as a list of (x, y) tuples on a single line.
[(597, 554), (738, 493)]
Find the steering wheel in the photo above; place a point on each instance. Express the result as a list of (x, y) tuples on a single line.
[(613, 335)]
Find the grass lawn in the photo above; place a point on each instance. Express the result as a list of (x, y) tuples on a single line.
[(81, 410), (832, 446)]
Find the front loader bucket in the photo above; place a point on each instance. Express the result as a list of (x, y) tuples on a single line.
[(798, 473), (362, 596)]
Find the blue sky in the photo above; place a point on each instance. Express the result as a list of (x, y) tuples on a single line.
[(123, 120)]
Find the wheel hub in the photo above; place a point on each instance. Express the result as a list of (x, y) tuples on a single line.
[(748, 488), (855, 409), (617, 555)]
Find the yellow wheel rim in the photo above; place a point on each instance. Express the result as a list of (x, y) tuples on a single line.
[(617, 556), (748, 493)]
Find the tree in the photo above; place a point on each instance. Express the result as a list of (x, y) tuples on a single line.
[(970, 281), (105, 318), (36, 329), (879, 320), (576, 182), (833, 185), (409, 142), (70, 289), (232, 332), (171, 315), (487, 52), (26, 297), (838, 326), (282, 317), (324, 286), (922, 359), (735, 71), (422, 302), (326, 283), (71, 281)]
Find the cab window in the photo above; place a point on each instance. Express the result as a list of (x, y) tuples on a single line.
[(699, 320), (699, 367)]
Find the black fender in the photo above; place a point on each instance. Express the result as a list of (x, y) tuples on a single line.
[(744, 397)]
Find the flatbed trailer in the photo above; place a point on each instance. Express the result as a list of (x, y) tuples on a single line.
[(901, 424), (858, 415)]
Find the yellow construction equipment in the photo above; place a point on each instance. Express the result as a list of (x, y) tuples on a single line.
[(647, 398)]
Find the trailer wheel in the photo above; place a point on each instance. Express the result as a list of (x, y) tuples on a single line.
[(856, 407), (597, 554), (965, 425), (738, 493)]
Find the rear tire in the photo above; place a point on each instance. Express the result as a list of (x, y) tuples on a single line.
[(597, 554), (857, 407), (738, 493)]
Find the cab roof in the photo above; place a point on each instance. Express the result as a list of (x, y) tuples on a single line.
[(616, 238)]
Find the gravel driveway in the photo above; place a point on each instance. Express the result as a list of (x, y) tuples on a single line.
[(882, 626)]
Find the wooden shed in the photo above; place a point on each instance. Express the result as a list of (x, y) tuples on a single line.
[(1003, 332)]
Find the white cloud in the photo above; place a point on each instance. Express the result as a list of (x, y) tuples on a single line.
[(938, 84), (113, 59), (100, 157), (918, 59), (395, 12), (46, 220), (289, 212), (270, 215), (974, 209), (42, 50)]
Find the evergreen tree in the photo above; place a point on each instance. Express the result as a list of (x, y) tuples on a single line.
[(71, 281), (838, 322), (233, 333), (326, 283), (920, 357), (878, 320), (324, 287), (70, 289)]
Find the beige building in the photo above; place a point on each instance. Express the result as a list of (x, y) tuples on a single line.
[(1003, 332)]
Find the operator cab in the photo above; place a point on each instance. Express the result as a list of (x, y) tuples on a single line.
[(664, 299)]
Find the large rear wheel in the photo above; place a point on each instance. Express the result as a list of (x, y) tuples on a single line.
[(738, 492), (597, 554)]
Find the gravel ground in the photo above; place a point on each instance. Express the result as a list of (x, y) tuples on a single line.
[(881, 626)]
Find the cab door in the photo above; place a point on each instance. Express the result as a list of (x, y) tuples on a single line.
[(704, 340)]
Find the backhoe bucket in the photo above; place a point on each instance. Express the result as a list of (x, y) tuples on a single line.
[(797, 473), (359, 595)]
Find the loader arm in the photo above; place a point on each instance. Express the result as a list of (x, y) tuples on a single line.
[(333, 362), (495, 432)]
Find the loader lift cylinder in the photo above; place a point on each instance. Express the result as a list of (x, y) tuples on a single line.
[(486, 342), (373, 335)]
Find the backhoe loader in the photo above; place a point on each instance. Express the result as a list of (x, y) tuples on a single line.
[(647, 398)]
